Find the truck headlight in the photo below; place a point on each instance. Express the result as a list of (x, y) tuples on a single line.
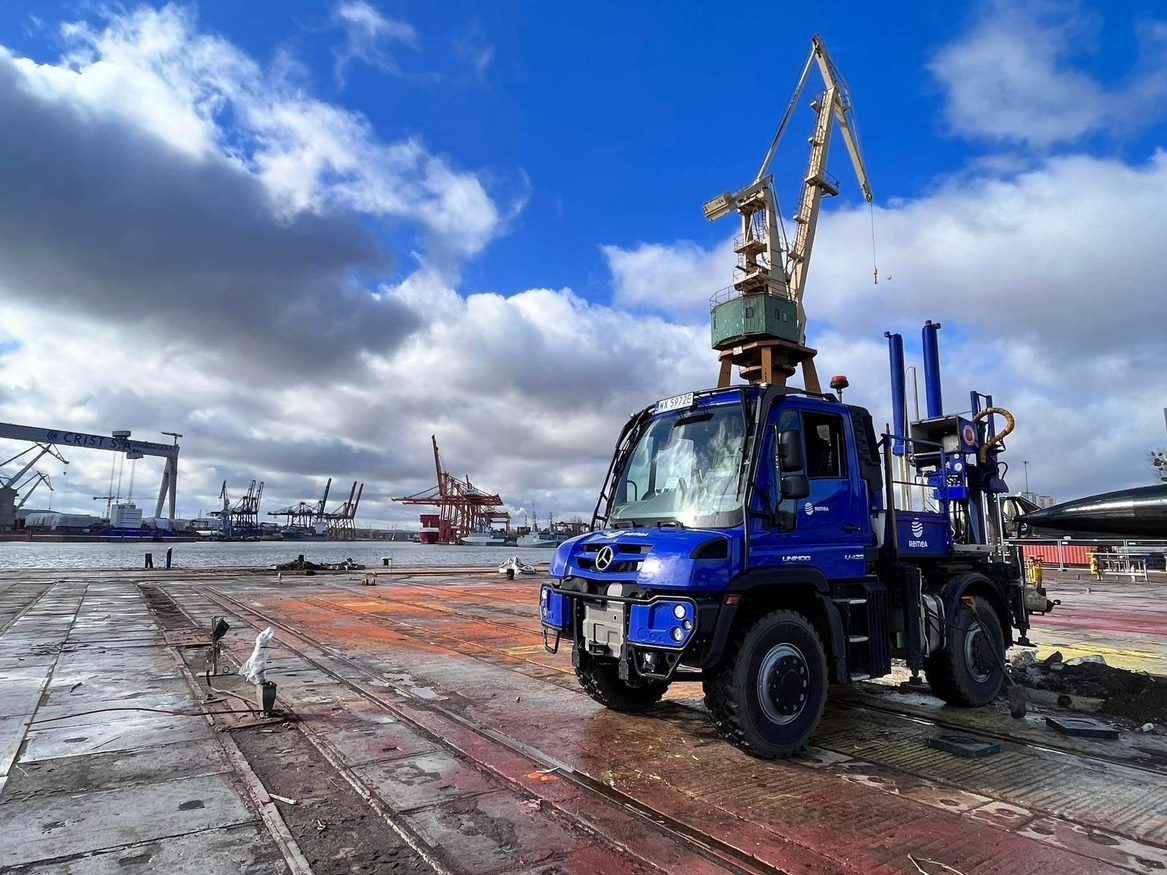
[(663, 623)]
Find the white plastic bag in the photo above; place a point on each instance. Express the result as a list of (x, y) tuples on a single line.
[(513, 564), (256, 664)]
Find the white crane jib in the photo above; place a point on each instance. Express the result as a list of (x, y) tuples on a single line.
[(765, 264), (36, 480)]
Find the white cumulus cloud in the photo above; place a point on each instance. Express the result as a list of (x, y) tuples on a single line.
[(675, 278), (1012, 78), (1049, 283)]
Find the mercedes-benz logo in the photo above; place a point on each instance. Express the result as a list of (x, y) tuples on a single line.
[(605, 557)]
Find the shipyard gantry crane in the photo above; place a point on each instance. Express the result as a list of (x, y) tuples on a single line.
[(463, 507), (759, 323), (241, 518), (302, 518), (342, 521), (46, 439)]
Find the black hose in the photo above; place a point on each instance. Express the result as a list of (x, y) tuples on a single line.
[(152, 710)]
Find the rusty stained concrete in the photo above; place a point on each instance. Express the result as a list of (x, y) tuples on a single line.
[(1121, 620), (432, 693)]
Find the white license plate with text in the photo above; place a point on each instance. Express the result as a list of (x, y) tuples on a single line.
[(677, 402)]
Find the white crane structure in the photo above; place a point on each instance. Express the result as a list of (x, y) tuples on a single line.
[(36, 480), (759, 323), (13, 482), (47, 440)]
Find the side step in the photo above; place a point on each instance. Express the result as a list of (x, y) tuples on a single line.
[(862, 607)]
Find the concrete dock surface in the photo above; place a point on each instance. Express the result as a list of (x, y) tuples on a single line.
[(422, 727)]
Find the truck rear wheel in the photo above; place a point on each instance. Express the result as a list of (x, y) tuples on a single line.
[(967, 670), (601, 681), (768, 695)]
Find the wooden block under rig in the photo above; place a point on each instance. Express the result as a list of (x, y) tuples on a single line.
[(769, 360)]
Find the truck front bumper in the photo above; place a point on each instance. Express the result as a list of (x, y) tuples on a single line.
[(649, 634)]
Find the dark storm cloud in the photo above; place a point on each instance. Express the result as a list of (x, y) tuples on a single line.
[(101, 218)]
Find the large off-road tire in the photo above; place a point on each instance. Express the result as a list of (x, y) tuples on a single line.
[(967, 671), (601, 681), (768, 694)]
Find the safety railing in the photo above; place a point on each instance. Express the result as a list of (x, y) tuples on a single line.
[(826, 179), (772, 287), (913, 492), (757, 236)]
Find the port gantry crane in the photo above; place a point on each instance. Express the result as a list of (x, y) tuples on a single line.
[(759, 323)]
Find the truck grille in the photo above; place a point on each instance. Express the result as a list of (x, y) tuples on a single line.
[(626, 558)]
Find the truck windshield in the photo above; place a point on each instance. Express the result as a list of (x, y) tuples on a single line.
[(684, 469)]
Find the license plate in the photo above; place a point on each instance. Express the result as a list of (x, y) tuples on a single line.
[(677, 402)]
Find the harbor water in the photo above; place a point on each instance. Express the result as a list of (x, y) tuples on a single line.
[(255, 554)]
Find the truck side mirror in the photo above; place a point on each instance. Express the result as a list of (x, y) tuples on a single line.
[(790, 450), (795, 486)]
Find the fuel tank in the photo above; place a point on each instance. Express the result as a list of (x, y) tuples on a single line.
[(1140, 512)]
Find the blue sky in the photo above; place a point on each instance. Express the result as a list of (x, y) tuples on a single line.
[(558, 158), (615, 120)]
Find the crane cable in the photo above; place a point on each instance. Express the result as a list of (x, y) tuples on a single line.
[(874, 260), (1010, 424)]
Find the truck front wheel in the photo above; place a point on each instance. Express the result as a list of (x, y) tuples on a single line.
[(967, 670), (601, 681), (768, 695)]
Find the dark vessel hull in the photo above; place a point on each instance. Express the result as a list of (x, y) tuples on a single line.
[(1140, 512)]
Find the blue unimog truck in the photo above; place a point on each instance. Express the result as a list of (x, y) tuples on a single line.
[(761, 540)]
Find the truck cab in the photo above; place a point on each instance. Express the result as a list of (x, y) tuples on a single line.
[(743, 540)]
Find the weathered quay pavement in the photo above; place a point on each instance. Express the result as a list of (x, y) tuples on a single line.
[(424, 728)]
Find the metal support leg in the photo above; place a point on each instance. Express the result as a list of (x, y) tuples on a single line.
[(810, 376), (726, 375)]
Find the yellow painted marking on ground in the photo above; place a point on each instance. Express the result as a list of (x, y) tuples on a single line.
[(1132, 660), (525, 650)]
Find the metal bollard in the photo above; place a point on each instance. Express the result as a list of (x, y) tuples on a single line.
[(267, 697), (169, 556)]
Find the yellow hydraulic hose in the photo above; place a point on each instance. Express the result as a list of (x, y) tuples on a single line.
[(1010, 424)]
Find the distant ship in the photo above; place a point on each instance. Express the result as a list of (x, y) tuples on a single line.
[(292, 533), (542, 538), (485, 537), (551, 536), (1140, 513)]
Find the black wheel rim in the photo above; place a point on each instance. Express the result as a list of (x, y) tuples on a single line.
[(978, 653), (783, 683)]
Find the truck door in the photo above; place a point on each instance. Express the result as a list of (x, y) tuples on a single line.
[(829, 528)]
